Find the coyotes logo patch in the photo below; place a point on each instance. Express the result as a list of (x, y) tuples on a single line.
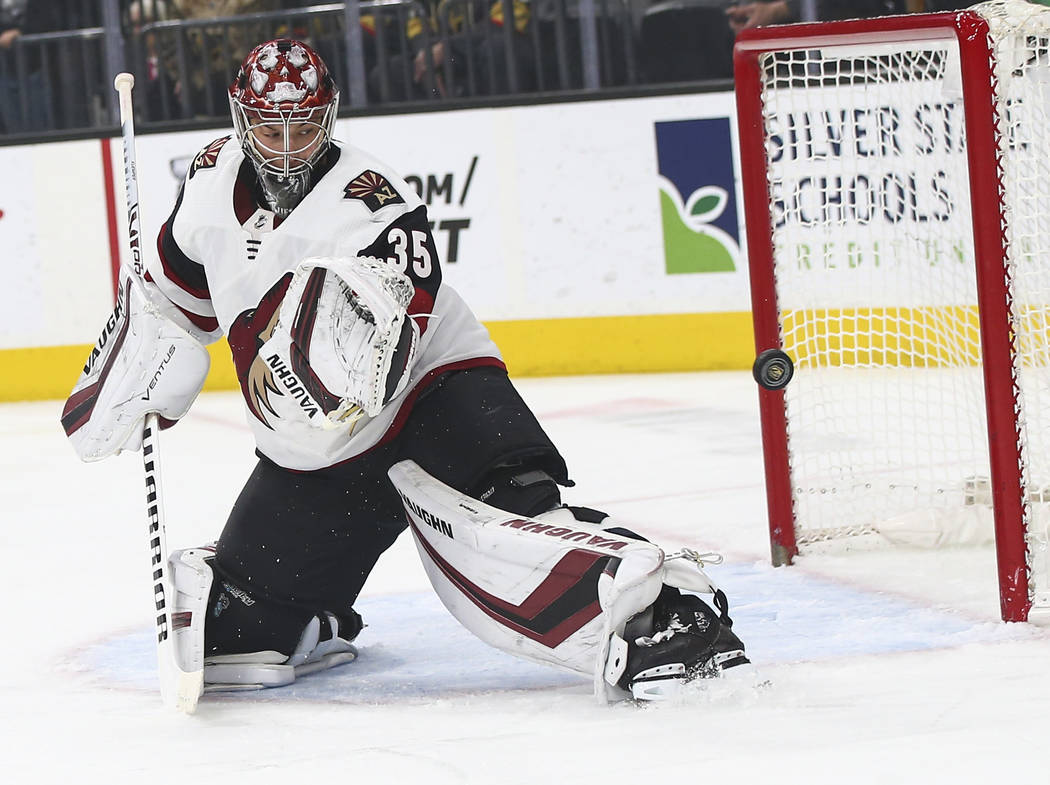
[(207, 157), (247, 334), (373, 189)]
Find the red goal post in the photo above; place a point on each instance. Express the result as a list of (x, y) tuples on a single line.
[(896, 180)]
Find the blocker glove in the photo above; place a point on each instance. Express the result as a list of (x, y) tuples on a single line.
[(143, 362)]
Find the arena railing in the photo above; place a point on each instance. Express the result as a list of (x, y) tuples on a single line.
[(50, 81), (62, 82)]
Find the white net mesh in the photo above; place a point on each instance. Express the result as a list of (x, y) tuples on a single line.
[(874, 267)]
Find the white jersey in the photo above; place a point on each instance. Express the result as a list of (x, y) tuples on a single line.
[(225, 264)]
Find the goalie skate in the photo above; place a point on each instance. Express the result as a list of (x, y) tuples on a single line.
[(676, 640), (321, 647), (325, 642)]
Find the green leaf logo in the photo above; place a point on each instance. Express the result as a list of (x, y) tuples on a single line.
[(703, 206), (691, 243), (706, 204)]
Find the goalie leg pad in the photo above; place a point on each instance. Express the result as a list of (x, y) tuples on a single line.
[(552, 589)]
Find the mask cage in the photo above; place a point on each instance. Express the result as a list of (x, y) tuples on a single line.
[(291, 160)]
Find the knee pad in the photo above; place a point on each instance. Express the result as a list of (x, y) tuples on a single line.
[(598, 518), (530, 491), (521, 489)]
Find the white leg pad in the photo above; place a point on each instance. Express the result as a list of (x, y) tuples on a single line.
[(552, 589)]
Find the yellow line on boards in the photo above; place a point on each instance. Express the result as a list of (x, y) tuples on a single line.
[(626, 344), (541, 347)]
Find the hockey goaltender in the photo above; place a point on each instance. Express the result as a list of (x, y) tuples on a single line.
[(377, 402)]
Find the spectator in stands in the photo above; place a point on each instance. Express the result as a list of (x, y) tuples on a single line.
[(685, 41), (22, 73), (691, 40), (459, 34), (774, 12), (759, 14), (8, 32), (211, 54), (158, 92), (11, 12), (209, 60), (325, 31)]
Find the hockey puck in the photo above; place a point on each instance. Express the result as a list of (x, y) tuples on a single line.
[(773, 369)]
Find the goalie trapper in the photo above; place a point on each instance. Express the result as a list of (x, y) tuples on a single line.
[(676, 640)]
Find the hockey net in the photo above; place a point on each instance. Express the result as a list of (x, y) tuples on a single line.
[(897, 188)]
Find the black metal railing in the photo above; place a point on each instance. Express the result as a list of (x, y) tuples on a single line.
[(382, 52), (52, 81)]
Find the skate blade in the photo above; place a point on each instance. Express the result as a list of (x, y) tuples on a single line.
[(734, 674), (239, 677), (210, 688)]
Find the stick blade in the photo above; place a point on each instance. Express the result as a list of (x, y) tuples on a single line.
[(179, 689)]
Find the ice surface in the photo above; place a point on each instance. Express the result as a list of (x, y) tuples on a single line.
[(883, 666)]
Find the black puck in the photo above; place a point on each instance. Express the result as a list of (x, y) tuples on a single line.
[(773, 369)]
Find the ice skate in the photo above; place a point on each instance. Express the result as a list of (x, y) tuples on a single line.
[(324, 643), (675, 641)]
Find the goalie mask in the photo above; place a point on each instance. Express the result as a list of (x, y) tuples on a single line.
[(284, 104)]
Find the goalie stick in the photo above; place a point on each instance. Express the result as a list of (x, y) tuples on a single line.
[(178, 688)]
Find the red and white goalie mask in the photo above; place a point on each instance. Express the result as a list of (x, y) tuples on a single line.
[(284, 104)]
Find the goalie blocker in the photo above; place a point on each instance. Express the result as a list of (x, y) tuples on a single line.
[(560, 590), (143, 362)]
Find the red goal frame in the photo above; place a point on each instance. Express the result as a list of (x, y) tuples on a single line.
[(971, 32)]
